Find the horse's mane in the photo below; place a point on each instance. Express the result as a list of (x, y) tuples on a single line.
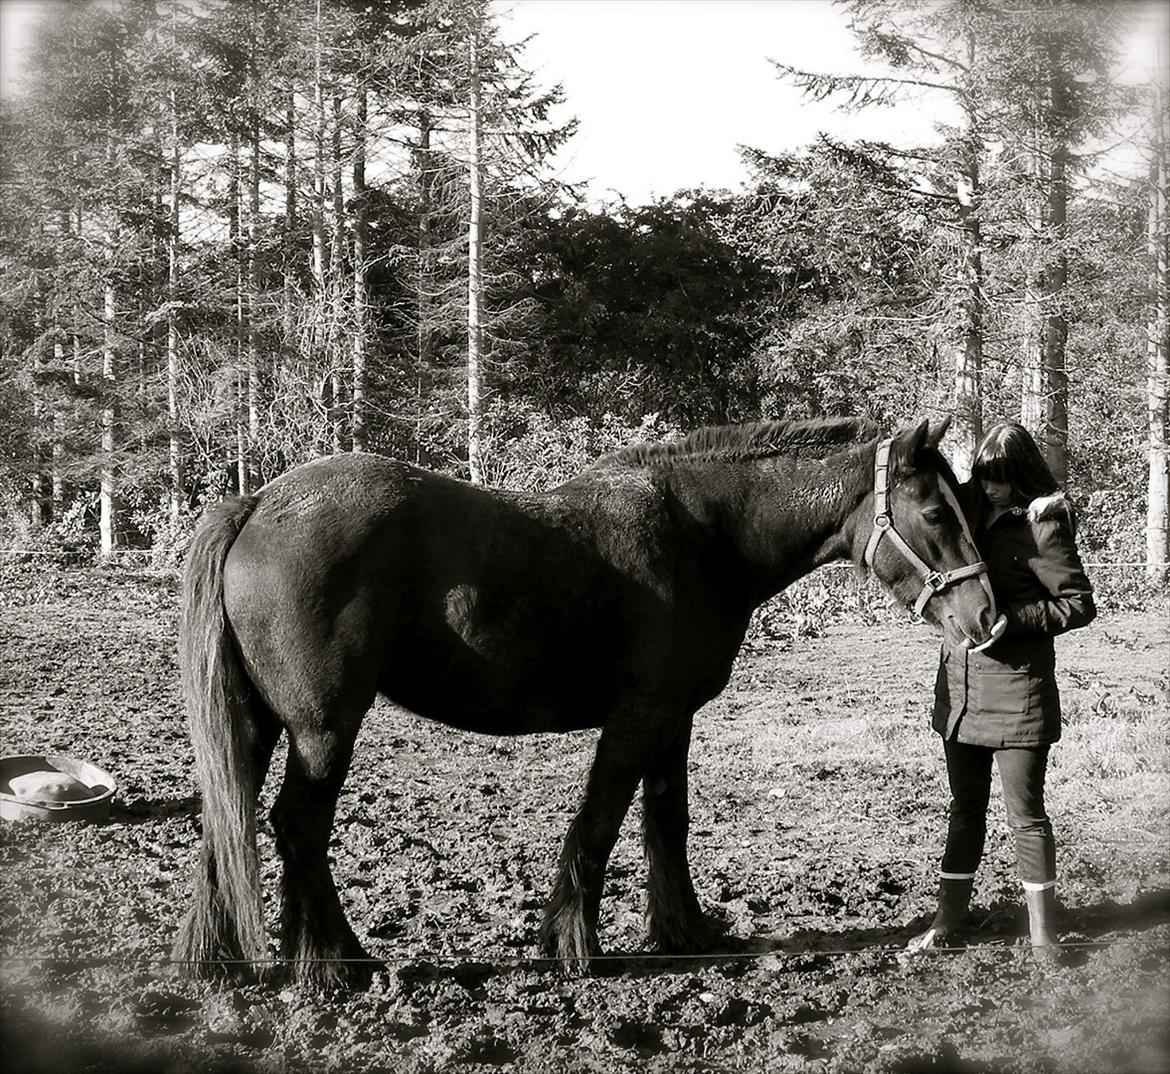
[(814, 439)]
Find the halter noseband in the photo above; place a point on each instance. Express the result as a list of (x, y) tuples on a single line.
[(933, 582)]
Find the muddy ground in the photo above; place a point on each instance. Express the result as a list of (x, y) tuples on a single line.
[(817, 807)]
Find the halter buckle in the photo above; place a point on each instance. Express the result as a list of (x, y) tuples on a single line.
[(935, 581), (882, 521)]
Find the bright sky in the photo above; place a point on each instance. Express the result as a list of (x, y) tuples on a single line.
[(665, 90)]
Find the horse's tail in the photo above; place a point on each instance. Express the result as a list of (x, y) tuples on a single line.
[(225, 921)]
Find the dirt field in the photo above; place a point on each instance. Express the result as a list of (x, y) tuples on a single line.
[(817, 805)]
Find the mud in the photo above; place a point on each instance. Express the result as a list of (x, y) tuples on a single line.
[(817, 804)]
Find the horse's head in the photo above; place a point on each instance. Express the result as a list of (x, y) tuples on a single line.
[(920, 546)]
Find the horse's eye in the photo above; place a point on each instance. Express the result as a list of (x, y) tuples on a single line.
[(933, 515)]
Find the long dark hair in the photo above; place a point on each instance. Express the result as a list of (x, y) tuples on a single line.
[(1009, 455)]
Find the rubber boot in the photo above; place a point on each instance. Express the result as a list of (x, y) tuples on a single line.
[(1042, 920), (954, 900)]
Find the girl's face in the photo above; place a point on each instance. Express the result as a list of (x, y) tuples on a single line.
[(998, 492)]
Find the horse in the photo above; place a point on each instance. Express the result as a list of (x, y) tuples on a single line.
[(617, 600)]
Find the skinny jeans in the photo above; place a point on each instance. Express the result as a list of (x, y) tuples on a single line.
[(1021, 774)]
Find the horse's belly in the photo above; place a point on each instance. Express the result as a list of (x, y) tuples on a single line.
[(492, 694), (468, 710)]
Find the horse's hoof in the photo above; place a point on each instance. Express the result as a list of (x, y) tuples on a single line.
[(565, 938), (329, 976), (700, 936), (577, 956), (349, 970)]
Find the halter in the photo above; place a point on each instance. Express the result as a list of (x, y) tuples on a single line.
[(933, 582)]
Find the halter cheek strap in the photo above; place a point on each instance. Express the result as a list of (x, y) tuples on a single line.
[(933, 582)]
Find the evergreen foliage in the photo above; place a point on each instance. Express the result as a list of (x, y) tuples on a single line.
[(235, 236)]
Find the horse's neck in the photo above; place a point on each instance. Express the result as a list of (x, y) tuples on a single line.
[(782, 518)]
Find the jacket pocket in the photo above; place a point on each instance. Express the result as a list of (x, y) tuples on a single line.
[(1001, 690)]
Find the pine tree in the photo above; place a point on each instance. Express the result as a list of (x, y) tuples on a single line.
[(1158, 337), (485, 133)]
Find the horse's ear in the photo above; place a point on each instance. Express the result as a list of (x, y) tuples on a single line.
[(937, 430), (906, 450)]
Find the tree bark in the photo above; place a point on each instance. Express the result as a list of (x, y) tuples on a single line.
[(968, 396), (360, 325), (1158, 337), (425, 263), (474, 265), (253, 297), (337, 288), (1033, 389), (174, 445), (290, 217), (40, 478), (57, 456), (239, 255), (319, 251), (108, 492), (1055, 336), (320, 329)]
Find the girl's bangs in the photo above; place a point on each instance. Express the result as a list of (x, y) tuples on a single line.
[(989, 467)]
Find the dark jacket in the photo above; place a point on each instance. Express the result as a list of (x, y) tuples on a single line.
[(1007, 695)]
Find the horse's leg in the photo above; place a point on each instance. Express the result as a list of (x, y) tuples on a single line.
[(314, 930), (674, 920), (569, 931)]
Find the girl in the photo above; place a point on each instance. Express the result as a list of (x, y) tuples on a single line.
[(999, 702)]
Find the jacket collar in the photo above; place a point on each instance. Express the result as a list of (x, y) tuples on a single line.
[(1040, 509), (1046, 507)]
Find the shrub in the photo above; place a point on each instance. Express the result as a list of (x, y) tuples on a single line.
[(526, 450)]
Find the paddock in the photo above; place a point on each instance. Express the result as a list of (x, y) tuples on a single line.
[(817, 805)]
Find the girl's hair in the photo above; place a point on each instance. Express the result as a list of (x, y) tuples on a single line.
[(1009, 455)]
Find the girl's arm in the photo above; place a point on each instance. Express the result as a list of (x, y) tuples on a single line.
[(1057, 566)]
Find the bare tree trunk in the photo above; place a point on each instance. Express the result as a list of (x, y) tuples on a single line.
[(1056, 339), (290, 217), (238, 253), (253, 298), (57, 458), (968, 399), (321, 328), (140, 348), (108, 494), (474, 267), (319, 253), (1033, 388), (1158, 339), (1056, 279), (40, 479), (360, 326), (425, 264), (77, 363), (337, 288), (174, 445)]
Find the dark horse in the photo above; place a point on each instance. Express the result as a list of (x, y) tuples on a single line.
[(618, 600)]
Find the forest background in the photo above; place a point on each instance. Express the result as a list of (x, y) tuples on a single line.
[(237, 236)]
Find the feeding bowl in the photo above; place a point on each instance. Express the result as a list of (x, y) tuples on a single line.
[(53, 788)]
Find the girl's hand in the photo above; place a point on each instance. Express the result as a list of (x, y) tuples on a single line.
[(997, 629)]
